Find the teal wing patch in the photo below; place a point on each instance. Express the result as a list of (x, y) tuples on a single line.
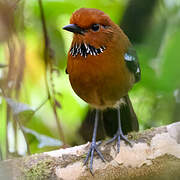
[(132, 63)]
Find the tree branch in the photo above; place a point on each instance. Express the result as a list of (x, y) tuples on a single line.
[(154, 155)]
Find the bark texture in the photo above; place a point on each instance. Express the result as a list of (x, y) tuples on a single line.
[(155, 155)]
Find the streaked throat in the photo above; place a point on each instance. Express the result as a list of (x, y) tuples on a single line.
[(84, 50)]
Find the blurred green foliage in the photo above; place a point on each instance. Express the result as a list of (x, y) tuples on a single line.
[(154, 98)]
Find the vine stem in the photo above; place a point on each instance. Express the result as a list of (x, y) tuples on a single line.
[(48, 57)]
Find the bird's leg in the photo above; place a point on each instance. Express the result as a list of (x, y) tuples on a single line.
[(119, 135), (94, 146)]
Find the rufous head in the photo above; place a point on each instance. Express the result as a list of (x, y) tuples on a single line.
[(91, 26), (86, 17)]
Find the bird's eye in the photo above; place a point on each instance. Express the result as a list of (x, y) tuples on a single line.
[(95, 27)]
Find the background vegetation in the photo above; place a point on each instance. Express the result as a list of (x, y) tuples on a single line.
[(36, 99)]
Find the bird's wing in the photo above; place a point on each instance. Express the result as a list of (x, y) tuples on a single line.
[(132, 63)]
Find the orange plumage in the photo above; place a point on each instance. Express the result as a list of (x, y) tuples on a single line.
[(103, 79), (102, 67)]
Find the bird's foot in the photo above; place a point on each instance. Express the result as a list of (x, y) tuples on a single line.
[(90, 154), (119, 135)]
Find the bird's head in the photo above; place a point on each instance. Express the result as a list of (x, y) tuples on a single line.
[(93, 31)]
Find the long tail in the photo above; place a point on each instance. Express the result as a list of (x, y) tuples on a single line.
[(128, 116), (109, 124), (129, 119)]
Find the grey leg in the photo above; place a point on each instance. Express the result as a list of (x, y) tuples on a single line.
[(119, 135), (94, 146)]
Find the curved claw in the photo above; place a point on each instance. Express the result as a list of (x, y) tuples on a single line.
[(111, 140), (119, 136), (90, 155), (126, 140)]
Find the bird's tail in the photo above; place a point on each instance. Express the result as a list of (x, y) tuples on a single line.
[(108, 124), (128, 117), (129, 121)]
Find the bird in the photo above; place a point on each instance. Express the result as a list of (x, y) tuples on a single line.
[(103, 67)]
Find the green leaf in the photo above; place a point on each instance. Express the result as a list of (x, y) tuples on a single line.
[(21, 110), (43, 140)]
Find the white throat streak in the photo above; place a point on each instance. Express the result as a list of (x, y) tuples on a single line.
[(84, 50)]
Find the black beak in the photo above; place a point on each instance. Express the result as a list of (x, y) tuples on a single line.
[(74, 28)]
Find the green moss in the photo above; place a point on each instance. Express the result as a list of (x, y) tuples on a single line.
[(145, 136), (134, 136), (39, 167)]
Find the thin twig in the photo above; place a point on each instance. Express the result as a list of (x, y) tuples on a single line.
[(46, 47), (47, 57), (42, 104)]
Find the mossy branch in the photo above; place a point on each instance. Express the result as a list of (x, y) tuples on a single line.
[(155, 155)]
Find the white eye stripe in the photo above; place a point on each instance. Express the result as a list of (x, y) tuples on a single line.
[(84, 49)]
